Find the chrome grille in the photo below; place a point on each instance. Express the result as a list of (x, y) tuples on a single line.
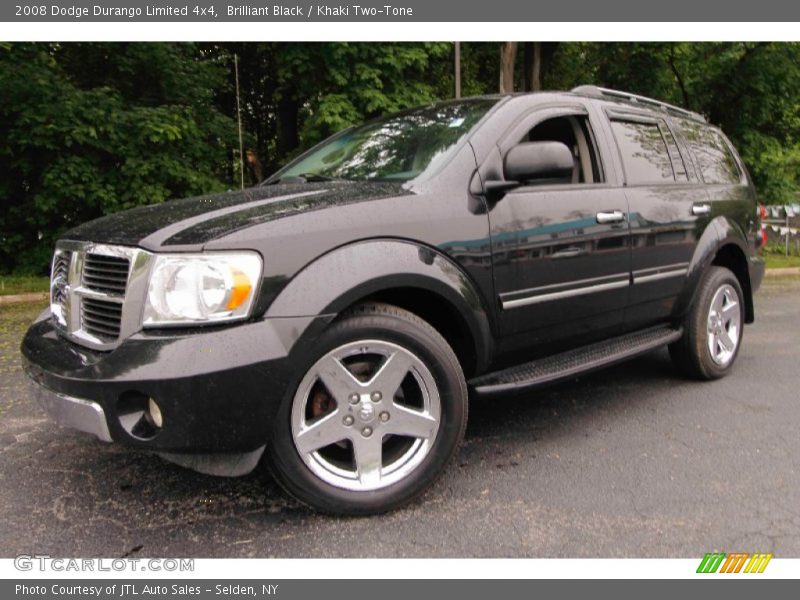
[(101, 318), (97, 292), (107, 274)]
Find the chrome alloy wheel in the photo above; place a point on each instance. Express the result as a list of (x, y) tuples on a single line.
[(724, 325), (365, 415)]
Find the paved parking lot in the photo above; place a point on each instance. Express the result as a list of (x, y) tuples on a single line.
[(629, 462)]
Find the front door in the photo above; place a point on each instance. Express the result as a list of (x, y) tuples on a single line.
[(561, 249)]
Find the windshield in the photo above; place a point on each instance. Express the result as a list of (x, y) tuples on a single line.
[(395, 148)]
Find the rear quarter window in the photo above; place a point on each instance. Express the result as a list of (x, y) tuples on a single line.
[(712, 153)]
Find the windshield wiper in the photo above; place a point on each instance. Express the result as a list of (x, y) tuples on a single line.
[(306, 178), (319, 177)]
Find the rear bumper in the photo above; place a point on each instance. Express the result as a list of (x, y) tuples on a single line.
[(218, 389)]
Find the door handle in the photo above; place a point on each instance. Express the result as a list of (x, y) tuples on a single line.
[(614, 216), (570, 252), (701, 209)]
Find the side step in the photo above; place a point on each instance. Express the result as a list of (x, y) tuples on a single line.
[(580, 360)]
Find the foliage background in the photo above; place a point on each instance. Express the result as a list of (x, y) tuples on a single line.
[(87, 129)]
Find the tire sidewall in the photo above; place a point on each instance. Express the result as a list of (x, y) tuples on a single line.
[(716, 278), (430, 347)]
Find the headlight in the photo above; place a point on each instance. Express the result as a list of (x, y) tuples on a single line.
[(201, 288)]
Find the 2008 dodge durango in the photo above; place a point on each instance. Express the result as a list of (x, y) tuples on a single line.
[(336, 318)]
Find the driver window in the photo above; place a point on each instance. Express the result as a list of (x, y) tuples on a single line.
[(574, 132)]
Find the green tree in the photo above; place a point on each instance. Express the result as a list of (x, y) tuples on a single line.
[(295, 95), (751, 90), (91, 129)]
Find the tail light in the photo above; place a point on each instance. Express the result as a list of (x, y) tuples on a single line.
[(761, 238)]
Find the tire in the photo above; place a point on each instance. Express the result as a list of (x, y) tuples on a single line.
[(713, 328), (378, 378)]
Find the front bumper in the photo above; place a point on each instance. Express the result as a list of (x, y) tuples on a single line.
[(72, 412), (218, 388)]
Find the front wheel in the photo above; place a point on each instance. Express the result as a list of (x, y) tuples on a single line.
[(377, 416), (713, 327)]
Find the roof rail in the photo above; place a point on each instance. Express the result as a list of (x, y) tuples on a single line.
[(600, 92)]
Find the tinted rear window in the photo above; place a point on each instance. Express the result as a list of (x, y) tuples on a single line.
[(711, 152), (644, 152)]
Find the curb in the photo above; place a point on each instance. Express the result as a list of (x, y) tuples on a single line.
[(782, 272), (17, 298)]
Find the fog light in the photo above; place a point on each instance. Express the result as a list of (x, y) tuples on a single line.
[(139, 415), (154, 413)]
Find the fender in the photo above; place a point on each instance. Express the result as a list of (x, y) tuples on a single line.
[(347, 274), (720, 232)]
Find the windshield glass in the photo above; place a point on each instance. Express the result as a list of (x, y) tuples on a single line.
[(394, 148)]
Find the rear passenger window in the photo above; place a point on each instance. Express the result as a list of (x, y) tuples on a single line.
[(645, 155), (712, 153)]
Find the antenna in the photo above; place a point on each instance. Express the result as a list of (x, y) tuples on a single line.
[(457, 68), (239, 119)]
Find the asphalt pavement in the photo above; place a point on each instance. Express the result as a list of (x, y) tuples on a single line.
[(633, 461)]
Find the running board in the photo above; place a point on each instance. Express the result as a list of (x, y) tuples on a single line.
[(562, 366)]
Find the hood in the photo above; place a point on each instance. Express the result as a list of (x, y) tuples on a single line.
[(196, 221)]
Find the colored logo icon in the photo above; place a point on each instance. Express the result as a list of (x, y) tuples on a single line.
[(735, 562)]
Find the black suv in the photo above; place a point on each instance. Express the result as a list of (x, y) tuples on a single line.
[(336, 317)]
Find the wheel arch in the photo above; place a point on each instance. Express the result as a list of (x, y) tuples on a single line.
[(722, 244), (412, 276)]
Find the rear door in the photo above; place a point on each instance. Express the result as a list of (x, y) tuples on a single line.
[(668, 211), (726, 182)]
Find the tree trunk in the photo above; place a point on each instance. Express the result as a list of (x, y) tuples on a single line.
[(536, 68), (254, 166), (533, 66), (288, 140), (678, 78), (508, 56)]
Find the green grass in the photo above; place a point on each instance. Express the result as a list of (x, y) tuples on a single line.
[(14, 284), (775, 261)]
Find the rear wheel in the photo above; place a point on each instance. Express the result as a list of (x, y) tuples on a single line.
[(713, 328), (377, 416)]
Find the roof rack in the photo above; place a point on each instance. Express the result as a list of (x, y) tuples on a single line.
[(600, 92)]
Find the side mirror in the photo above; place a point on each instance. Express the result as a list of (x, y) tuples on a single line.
[(536, 161)]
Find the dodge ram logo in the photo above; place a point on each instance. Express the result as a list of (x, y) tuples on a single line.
[(366, 412)]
